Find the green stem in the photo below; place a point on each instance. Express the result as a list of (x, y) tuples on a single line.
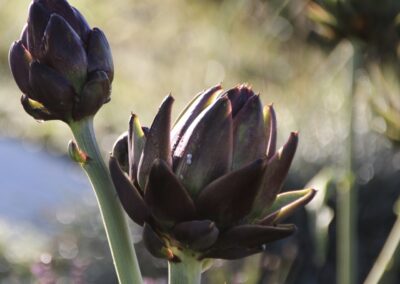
[(116, 228), (188, 271), (347, 192), (388, 260)]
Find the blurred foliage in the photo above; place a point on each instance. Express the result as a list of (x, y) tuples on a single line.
[(20, 244), (385, 101), (374, 25), (184, 46), (374, 30)]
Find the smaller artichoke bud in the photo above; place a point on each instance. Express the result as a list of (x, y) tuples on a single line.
[(60, 64), (210, 183)]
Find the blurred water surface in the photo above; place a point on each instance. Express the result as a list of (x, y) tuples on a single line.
[(36, 183)]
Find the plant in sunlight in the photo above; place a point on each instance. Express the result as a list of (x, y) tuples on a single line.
[(63, 68), (208, 187)]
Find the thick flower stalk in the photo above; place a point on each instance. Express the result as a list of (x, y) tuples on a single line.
[(63, 68), (209, 186)]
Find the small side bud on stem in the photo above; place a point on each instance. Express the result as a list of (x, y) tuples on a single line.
[(77, 154)]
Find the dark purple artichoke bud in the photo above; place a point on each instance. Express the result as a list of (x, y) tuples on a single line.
[(210, 183), (63, 68)]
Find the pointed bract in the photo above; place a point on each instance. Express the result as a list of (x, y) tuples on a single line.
[(129, 196), (157, 145), (70, 14), (230, 197), (238, 97), (99, 54), (165, 196), (249, 139), (205, 151), (136, 141), (191, 111), (80, 25), (286, 204), (274, 176), (19, 59), (50, 89), (63, 50), (37, 22), (270, 129), (120, 152)]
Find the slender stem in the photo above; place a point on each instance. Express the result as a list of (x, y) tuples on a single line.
[(346, 232), (188, 271), (347, 193), (116, 228), (390, 253)]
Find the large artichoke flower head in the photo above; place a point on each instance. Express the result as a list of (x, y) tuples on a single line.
[(210, 185), (63, 68)]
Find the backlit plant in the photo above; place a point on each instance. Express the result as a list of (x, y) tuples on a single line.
[(208, 187)]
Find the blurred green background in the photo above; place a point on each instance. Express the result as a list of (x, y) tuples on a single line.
[(182, 47)]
